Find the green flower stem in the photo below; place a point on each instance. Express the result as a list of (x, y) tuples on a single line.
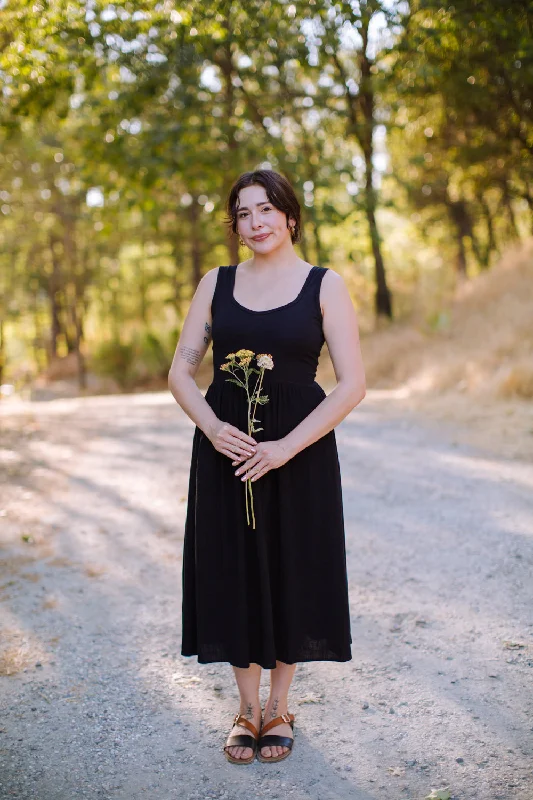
[(251, 420), (256, 394), (258, 391)]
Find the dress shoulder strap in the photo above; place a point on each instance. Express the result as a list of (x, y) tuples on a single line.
[(314, 283), (222, 287)]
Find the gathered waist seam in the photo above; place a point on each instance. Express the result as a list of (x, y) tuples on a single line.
[(270, 381)]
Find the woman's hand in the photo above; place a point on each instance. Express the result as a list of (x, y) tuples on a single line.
[(269, 455), (231, 441)]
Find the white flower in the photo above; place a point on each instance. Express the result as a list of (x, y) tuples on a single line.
[(265, 361)]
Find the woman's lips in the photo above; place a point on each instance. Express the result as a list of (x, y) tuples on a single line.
[(260, 238)]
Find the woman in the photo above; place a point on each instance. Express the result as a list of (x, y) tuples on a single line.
[(277, 594)]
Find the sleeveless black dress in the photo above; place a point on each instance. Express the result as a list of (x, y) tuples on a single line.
[(279, 592)]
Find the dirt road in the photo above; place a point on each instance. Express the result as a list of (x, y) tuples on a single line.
[(97, 701)]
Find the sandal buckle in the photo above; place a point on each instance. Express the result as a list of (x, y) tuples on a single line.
[(285, 718)]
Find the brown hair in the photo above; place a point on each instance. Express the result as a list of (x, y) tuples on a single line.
[(279, 192)]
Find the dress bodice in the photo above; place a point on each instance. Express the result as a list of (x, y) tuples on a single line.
[(292, 333)]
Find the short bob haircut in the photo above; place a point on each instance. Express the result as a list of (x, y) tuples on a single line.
[(279, 192)]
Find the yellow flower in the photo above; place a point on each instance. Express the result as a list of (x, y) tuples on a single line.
[(265, 361), (225, 366), (245, 353), (230, 355)]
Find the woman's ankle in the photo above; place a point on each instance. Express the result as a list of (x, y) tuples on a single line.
[(250, 709), (276, 706)]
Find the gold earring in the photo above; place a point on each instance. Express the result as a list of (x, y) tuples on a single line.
[(241, 242)]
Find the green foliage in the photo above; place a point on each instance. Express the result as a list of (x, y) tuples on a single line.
[(122, 128), (134, 362), (114, 359)]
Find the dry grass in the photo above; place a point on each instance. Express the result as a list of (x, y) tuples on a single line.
[(61, 561), (477, 371), (485, 349), (94, 571), (18, 652)]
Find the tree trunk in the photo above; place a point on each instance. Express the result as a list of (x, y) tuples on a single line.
[(178, 283), (2, 351), (461, 222), (225, 63), (508, 205), (491, 240), (529, 199), (53, 287), (382, 297), (303, 243), (142, 283), (362, 119), (196, 255), (74, 288)]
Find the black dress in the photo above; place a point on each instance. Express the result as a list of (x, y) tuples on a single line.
[(279, 591)]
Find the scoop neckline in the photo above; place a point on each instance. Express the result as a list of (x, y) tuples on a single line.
[(268, 310)]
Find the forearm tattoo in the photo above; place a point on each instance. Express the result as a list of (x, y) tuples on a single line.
[(208, 331), (190, 355)]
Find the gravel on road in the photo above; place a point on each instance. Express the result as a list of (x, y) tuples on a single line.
[(96, 700)]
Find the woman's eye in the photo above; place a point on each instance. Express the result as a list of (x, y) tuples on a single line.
[(243, 215), (267, 208)]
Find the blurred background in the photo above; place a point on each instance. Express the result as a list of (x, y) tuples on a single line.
[(406, 129)]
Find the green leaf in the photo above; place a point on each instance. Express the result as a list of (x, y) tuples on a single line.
[(234, 380)]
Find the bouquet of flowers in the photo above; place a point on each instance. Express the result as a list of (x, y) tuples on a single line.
[(241, 361)]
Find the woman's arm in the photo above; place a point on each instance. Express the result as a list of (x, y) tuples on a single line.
[(190, 350), (342, 337)]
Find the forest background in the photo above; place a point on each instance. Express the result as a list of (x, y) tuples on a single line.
[(406, 129)]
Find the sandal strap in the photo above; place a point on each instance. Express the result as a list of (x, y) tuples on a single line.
[(241, 720), (241, 740), (288, 718), (273, 740)]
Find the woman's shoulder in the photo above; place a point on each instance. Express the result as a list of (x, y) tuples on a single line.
[(211, 276)]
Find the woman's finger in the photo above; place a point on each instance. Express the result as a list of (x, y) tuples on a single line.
[(227, 453), (240, 447), (244, 437), (252, 470), (260, 474), (259, 470), (251, 462)]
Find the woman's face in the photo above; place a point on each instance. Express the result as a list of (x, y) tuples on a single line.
[(262, 226)]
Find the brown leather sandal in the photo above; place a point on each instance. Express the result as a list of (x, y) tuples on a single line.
[(242, 740), (275, 741)]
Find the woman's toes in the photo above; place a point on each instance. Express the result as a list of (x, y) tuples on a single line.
[(265, 752)]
